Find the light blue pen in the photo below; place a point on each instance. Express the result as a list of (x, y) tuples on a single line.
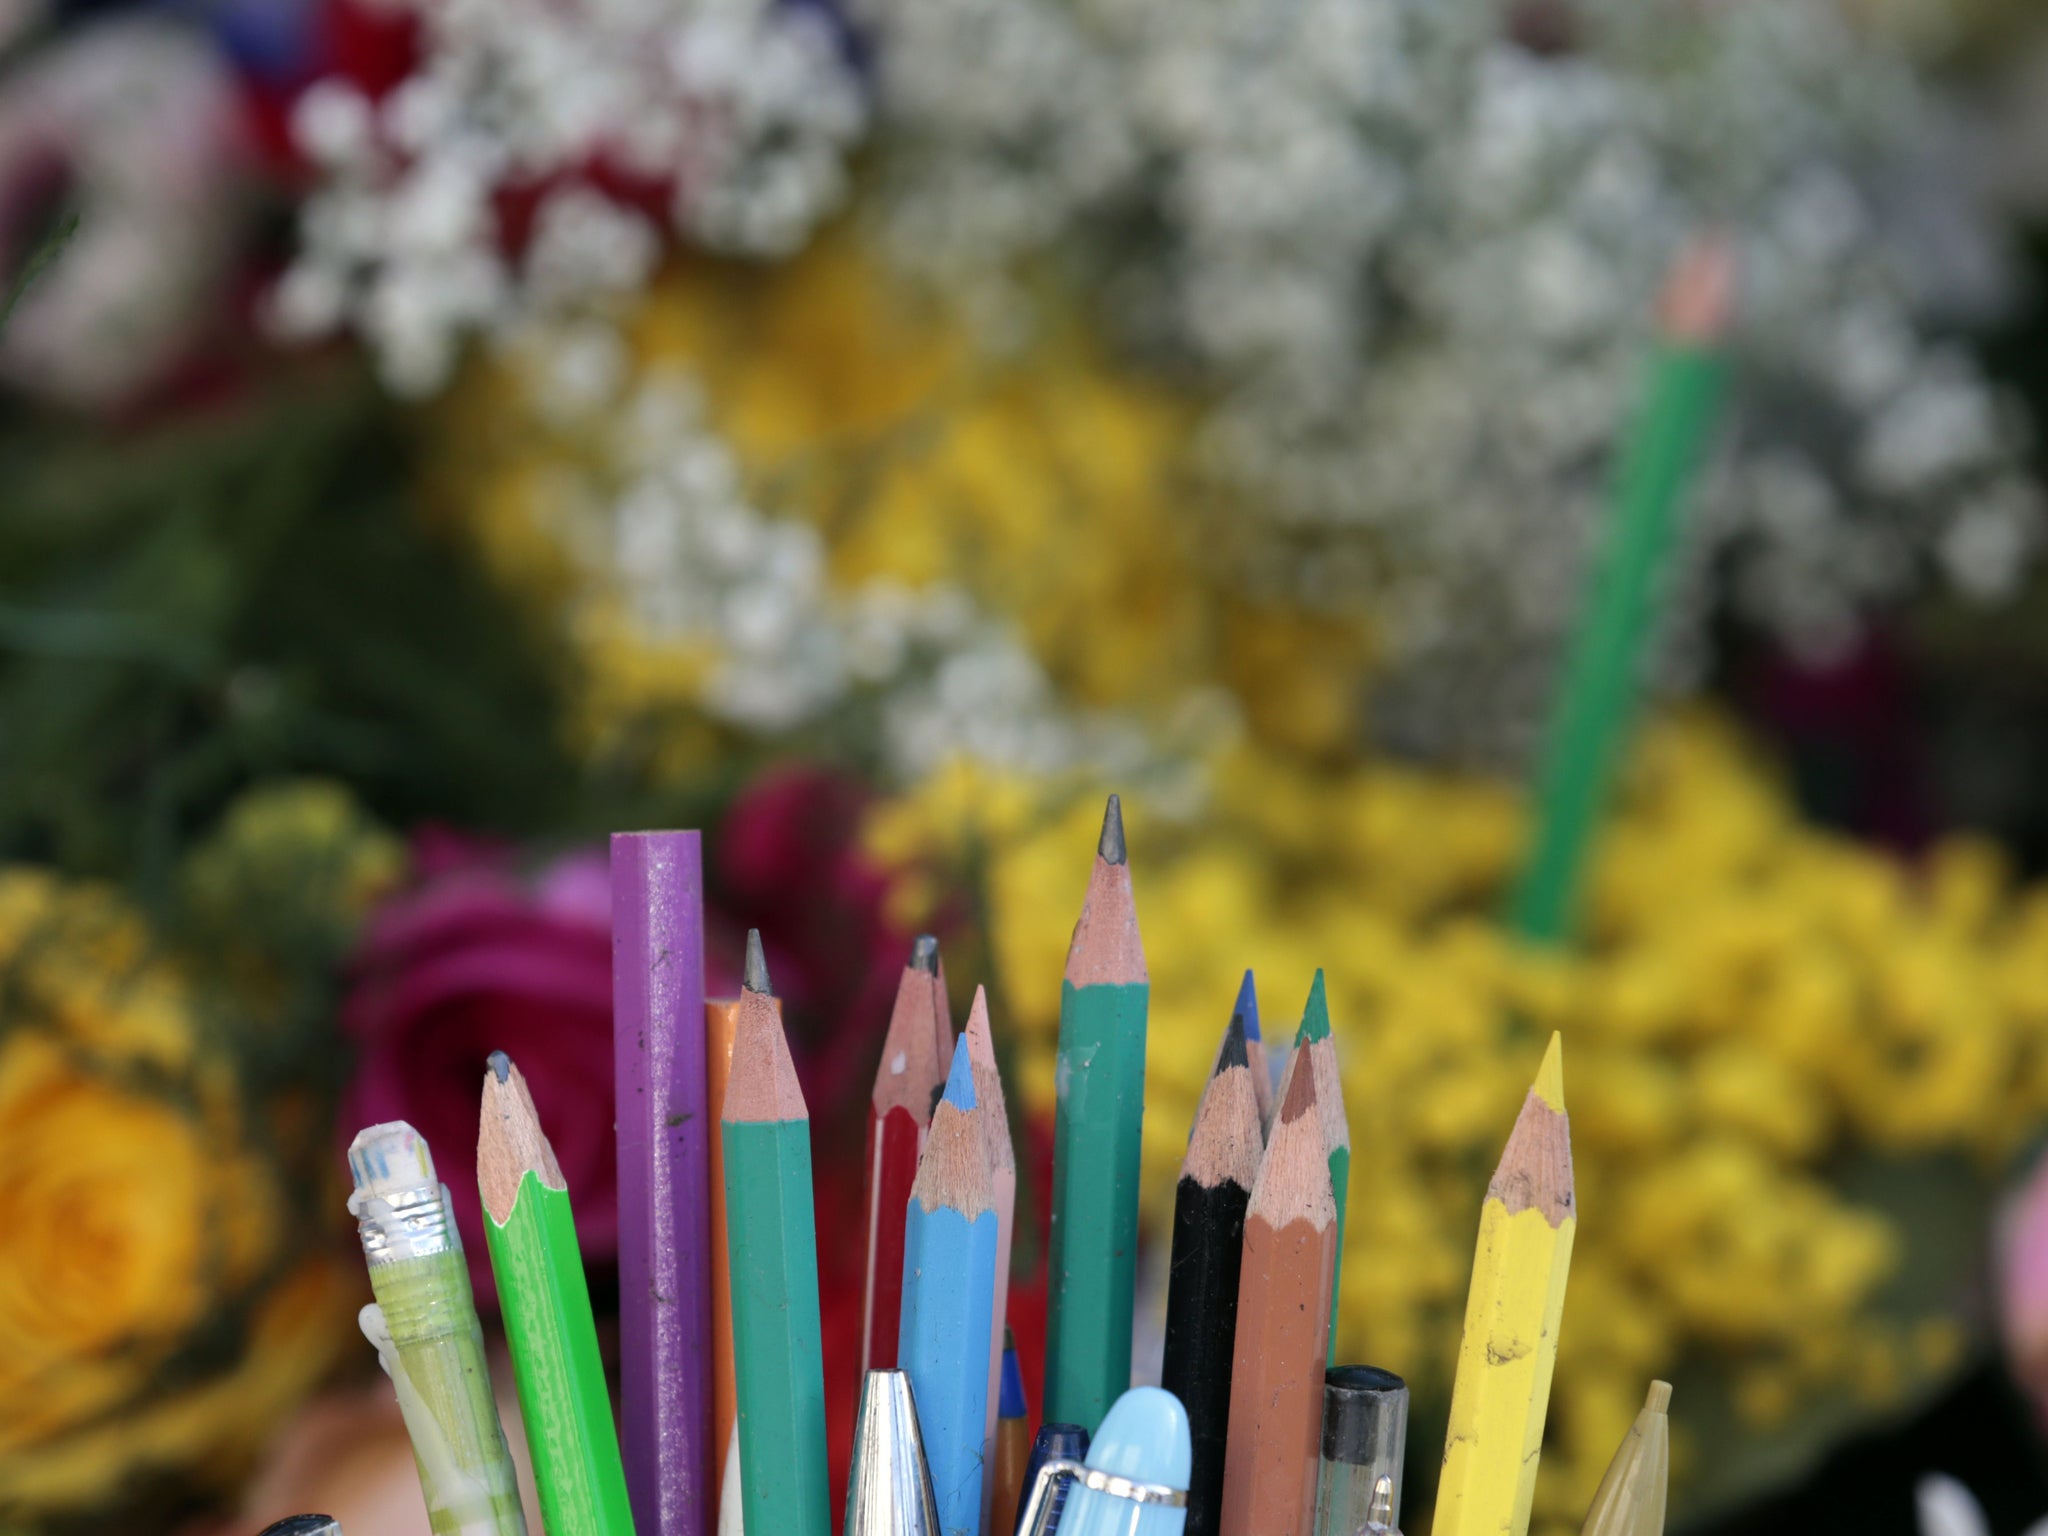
[(1135, 1481)]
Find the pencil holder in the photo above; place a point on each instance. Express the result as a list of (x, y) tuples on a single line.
[(1057, 1473)]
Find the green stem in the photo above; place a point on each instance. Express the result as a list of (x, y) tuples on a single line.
[(1606, 658)]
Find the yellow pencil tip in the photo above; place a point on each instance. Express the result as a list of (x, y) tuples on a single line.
[(1549, 1084)]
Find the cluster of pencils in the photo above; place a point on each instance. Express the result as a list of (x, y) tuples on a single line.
[(1257, 1430)]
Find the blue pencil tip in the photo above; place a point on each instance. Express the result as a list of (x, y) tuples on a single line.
[(1010, 1402), (960, 1079), (1248, 1006)]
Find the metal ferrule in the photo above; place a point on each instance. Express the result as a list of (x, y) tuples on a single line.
[(1038, 1506), (405, 1223)]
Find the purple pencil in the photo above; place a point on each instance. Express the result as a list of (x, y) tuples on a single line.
[(664, 1162)]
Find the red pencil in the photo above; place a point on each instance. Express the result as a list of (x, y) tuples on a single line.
[(907, 1084)]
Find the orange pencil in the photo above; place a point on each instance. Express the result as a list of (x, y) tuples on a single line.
[(721, 1020)]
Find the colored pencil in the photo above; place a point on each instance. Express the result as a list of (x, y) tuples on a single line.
[(664, 1180), (1603, 669), (910, 1076), (1013, 1443), (721, 1018), (1247, 1008), (1283, 1305), (1630, 1498), (425, 1330), (942, 1007), (949, 1287), (1502, 1389), (992, 1114), (1315, 1045), (1208, 1254), (1097, 1133), (771, 1233), (531, 1233)]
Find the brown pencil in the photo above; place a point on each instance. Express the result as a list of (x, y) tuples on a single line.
[(1283, 1322)]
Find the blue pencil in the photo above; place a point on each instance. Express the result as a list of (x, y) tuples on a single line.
[(949, 1288)]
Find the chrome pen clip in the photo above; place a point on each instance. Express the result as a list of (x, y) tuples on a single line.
[(1041, 1505)]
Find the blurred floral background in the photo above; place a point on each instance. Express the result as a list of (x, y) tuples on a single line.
[(434, 434)]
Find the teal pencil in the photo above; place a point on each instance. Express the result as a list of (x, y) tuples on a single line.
[(949, 1289), (772, 1246), (1097, 1135)]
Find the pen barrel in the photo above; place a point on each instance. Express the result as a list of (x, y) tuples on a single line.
[(1365, 1436), (436, 1358)]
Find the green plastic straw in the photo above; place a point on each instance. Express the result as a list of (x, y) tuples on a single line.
[(539, 1268), (1607, 653), (424, 1326)]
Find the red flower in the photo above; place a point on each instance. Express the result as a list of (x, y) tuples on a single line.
[(482, 956)]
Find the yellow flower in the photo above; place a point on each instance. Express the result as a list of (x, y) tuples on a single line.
[(1755, 998), (133, 1205)]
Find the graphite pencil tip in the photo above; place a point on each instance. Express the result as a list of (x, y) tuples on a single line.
[(1111, 848), (500, 1065), (755, 976), (924, 954)]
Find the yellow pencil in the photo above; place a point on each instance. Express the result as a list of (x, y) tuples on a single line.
[(1511, 1318)]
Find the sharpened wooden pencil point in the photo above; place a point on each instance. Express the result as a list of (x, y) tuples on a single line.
[(1110, 846)]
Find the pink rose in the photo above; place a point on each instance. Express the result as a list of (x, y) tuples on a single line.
[(482, 955)]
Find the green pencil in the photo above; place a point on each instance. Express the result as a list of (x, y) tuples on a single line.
[(772, 1249), (1605, 663), (1096, 1135), (1315, 1044), (532, 1237)]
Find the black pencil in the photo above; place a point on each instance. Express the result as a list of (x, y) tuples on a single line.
[(1208, 1247)]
